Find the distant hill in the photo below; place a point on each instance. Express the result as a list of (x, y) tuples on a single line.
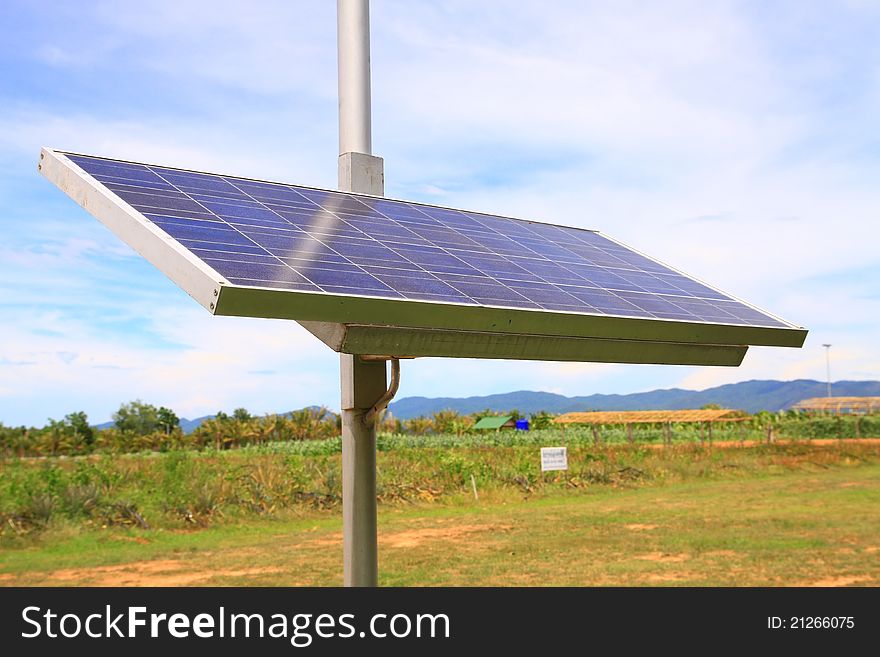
[(751, 396), (189, 426)]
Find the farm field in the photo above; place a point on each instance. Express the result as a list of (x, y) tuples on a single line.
[(795, 514)]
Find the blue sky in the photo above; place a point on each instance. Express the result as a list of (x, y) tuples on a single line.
[(737, 141)]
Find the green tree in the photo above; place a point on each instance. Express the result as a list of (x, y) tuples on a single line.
[(311, 424), (446, 421), (137, 418), (541, 420), (418, 425), (168, 420), (56, 437), (16, 441), (242, 415), (213, 430), (79, 425)]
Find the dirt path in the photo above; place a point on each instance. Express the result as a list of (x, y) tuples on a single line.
[(161, 572)]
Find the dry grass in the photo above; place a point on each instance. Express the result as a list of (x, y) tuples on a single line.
[(810, 528)]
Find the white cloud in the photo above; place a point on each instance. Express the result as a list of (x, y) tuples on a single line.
[(210, 367), (733, 141)]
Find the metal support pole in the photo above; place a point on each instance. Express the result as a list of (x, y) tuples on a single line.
[(363, 382), (353, 42)]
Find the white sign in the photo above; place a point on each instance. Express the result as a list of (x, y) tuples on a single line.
[(554, 458)]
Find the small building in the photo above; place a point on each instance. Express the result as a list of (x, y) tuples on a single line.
[(703, 418), (496, 422), (652, 417), (840, 405)]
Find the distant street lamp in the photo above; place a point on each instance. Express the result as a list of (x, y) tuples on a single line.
[(828, 366)]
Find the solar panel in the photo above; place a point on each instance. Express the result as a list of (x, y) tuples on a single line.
[(282, 250)]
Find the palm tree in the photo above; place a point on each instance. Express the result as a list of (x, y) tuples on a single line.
[(213, 429), (418, 425)]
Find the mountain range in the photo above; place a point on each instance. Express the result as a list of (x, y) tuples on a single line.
[(751, 396)]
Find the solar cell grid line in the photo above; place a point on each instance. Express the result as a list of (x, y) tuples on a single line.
[(261, 235), (279, 271), (180, 179), (210, 207), (498, 294), (182, 182)]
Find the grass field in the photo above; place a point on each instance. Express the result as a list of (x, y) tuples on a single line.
[(741, 517)]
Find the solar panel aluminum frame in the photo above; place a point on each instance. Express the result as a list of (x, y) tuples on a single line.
[(403, 342), (364, 325), (194, 276)]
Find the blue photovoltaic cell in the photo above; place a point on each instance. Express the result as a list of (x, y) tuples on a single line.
[(264, 234)]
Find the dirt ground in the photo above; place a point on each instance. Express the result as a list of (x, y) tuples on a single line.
[(161, 572), (188, 572)]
